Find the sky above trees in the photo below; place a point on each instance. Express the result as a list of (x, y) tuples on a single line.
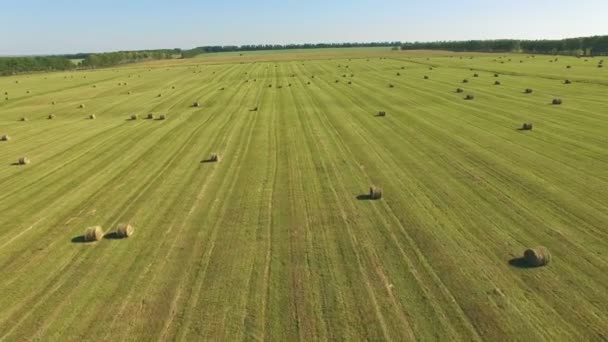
[(63, 26)]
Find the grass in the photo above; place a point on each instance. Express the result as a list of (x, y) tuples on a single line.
[(275, 242)]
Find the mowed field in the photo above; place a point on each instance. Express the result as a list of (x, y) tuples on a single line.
[(277, 241)]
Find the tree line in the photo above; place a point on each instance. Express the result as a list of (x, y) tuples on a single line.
[(17, 65), (584, 46), (243, 48)]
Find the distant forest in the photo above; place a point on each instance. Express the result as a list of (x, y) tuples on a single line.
[(586, 46)]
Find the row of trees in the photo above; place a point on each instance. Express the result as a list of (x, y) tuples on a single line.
[(585, 46), (17, 65), (232, 48)]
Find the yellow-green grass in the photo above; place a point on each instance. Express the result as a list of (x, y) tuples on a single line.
[(277, 242)]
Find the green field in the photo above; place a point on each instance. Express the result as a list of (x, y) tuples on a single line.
[(277, 241)]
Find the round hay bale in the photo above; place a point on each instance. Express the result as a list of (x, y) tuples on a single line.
[(568, 67), (475, 75), (465, 81), (381, 113), (53, 103), (134, 116), (162, 117), (375, 192), (124, 230), (337, 81), (160, 95), (92, 117), (51, 116), (24, 161), (528, 91), (556, 102), (398, 74), (526, 127), (391, 85), (497, 83), (426, 77), (5, 137), (150, 116), (470, 97), (567, 82), (537, 256), (459, 90), (82, 106), (23, 119), (196, 104), (93, 234), (214, 157), (496, 75)]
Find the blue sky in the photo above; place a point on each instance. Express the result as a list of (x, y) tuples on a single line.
[(61, 26)]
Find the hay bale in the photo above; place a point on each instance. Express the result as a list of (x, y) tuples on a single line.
[(459, 90), (526, 126), (196, 104), (160, 95), (270, 86), (497, 83), (465, 81), (426, 77), (568, 67), (391, 85), (469, 97), (53, 103), (496, 75), (537, 256), (528, 91), (375, 193), (134, 116), (337, 81), (23, 119), (24, 161), (162, 117), (150, 116), (93, 234), (556, 102), (4, 137), (567, 82), (51, 116), (381, 113), (82, 106), (475, 75), (92, 117), (214, 157), (124, 230), (398, 74)]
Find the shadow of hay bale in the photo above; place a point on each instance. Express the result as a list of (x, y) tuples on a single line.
[(79, 239), (520, 262), (365, 197), (112, 236)]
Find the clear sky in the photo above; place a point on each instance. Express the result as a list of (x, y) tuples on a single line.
[(62, 26)]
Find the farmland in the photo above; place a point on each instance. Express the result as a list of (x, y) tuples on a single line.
[(277, 240)]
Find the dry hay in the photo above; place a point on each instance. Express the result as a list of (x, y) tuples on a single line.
[(92, 117), (381, 113), (375, 193), (538, 256), (567, 82), (24, 161), (469, 97), (51, 116), (124, 230), (93, 234), (528, 91), (134, 116), (526, 127), (556, 102), (162, 117), (5, 137)]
